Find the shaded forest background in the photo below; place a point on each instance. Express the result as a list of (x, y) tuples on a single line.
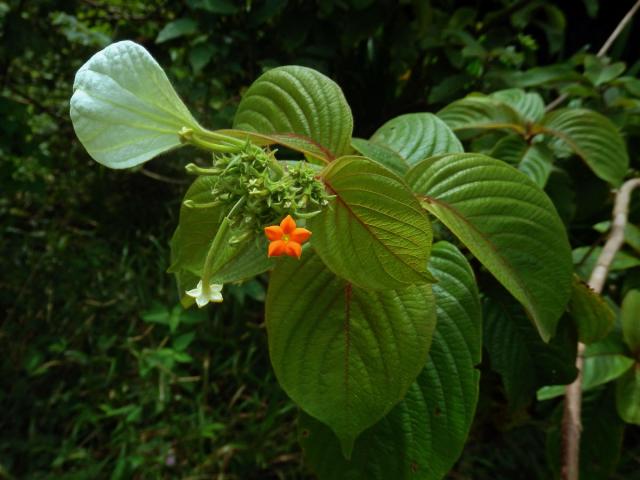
[(102, 374)]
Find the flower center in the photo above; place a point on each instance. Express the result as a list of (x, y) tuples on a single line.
[(285, 238)]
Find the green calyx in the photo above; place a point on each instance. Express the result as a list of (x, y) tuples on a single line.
[(257, 190)]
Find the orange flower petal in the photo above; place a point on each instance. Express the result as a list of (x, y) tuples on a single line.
[(273, 233), (277, 248), (293, 249), (300, 235), (288, 225)]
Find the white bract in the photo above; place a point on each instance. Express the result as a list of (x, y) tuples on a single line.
[(124, 109), (212, 294)]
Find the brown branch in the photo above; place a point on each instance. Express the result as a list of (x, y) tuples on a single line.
[(571, 423), (604, 49)]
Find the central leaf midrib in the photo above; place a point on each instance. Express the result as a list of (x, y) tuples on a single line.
[(365, 226)]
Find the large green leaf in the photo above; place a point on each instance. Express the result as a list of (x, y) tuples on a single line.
[(524, 362), (421, 438), (344, 354), (630, 318), (192, 239), (295, 100), (592, 137), (508, 223), (416, 136), (124, 109), (479, 112), (374, 232), (628, 395), (593, 316), (535, 160)]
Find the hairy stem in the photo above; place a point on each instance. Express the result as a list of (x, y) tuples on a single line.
[(571, 423)]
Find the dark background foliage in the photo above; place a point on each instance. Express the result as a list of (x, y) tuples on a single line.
[(102, 375)]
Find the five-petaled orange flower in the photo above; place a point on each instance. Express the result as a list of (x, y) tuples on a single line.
[(286, 239)]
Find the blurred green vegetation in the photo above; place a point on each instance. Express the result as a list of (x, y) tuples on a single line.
[(102, 374)]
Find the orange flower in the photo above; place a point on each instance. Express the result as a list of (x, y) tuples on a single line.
[(286, 239)]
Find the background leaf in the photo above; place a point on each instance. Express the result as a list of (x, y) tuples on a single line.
[(416, 136), (422, 437), (593, 316), (298, 100), (374, 233), (535, 160), (478, 112), (524, 362), (628, 395), (508, 223), (530, 105), (124, 109), (177, 28), (585, 259), (603, 361), (630, 318), (592, 137), (382, 154), (344, 354)]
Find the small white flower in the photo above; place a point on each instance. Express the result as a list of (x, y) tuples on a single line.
[(202, 298)]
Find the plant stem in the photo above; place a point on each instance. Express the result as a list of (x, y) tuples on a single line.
[(571, 423), (604, 49), (207, 270)]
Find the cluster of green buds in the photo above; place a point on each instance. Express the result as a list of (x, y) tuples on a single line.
[(258, 190)]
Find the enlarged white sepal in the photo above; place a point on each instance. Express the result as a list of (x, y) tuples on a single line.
[(124, 109), (213, 294)]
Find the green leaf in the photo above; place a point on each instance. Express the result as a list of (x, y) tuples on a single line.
[(124, 109), (535, 160), (416, 136), (630, 318), (382, 154), (585, 259), (603, 361), (631, 233), (374, 233), (220, 7), (557, 74), (299, 101), (344, 354), (480, 112), (422, 437), (200, 56), (182, 342), (530, 106), (524, 362), (599, 71), (177, 28), (628, 395), (593, 316), (593, 138), (192, 239), (508, 223)]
